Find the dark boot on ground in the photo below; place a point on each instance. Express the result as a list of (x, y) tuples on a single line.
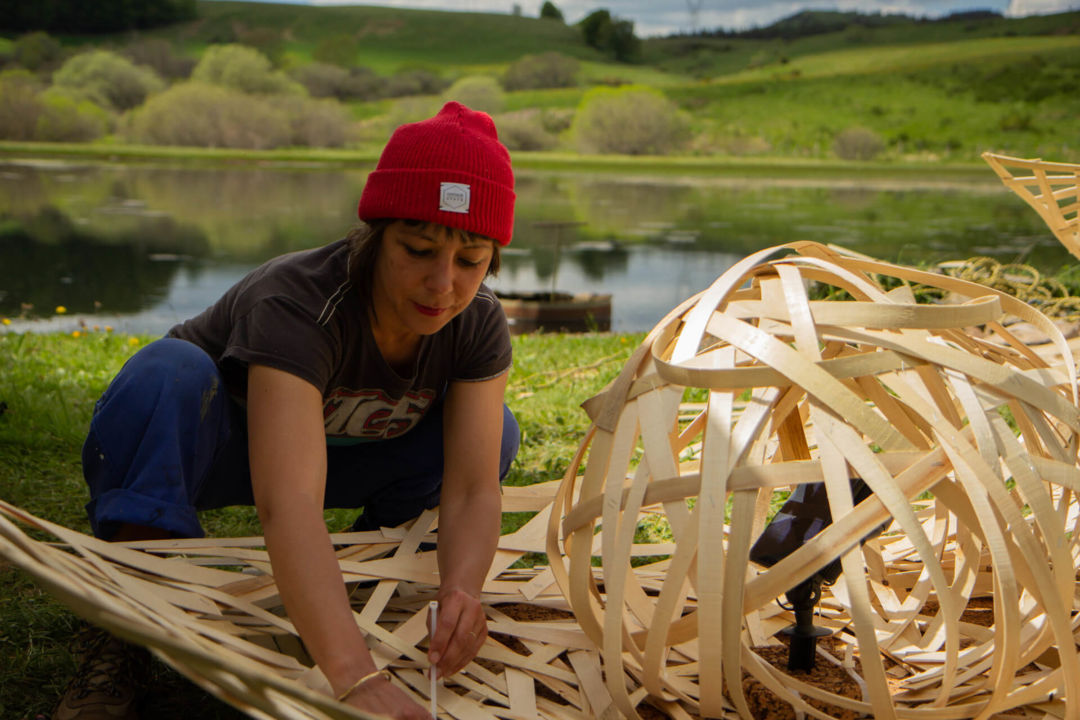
[(109, 682)]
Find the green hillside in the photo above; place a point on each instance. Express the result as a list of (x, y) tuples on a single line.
[(909, 89), (384, 38)]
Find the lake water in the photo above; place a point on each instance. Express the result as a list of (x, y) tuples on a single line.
[(143, 246)]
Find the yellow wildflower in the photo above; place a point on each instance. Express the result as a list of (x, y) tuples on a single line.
[(133, 341), (60, 309), (108, 328), (76, 333), (7, 321)]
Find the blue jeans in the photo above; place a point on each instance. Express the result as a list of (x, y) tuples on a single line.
[(166, 441)]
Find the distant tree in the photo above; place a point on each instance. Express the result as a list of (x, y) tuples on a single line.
[(546, 70), (478, 92), (621, 41), (593, 26), (110, 80), (611, 35), (549, 11), (99, 16), (245, 69), (631, 120)]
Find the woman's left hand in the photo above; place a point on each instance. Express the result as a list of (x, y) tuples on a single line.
[(461, 628)]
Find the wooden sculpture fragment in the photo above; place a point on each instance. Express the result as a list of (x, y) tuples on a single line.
[(966, 442), (1052, 189)]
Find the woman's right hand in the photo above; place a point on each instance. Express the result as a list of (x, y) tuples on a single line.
[(382, 697)]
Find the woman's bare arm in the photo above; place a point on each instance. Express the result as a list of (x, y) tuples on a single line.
[(287, 447), (470, 515)]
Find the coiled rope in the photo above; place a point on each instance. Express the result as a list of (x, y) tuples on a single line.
[(1023, 281)]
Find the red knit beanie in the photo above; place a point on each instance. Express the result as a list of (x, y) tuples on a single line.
[(450, 169)]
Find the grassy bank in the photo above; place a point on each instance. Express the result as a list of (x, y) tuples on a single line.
[(655, 165), (49, 383)]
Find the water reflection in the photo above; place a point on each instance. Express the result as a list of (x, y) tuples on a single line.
[(144, 246)]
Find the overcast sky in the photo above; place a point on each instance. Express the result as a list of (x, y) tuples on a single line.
[(663, 17)]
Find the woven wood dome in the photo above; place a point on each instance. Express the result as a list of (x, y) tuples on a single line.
[(963, 438)]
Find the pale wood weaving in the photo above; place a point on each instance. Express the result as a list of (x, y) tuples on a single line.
[(210, 608), (967, 438), (1051, 188)]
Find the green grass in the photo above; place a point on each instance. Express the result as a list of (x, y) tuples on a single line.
[(50, 382)]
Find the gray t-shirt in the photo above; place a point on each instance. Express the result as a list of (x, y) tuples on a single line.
[(300, 313)]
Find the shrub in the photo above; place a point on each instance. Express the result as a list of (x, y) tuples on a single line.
[(245, 69), (157, 54), (69, 117), (524, 130), (546, 70), (321, 79), (363, 84), (198, 114), (414, 82), (316, 123), (633, 120), (478, 92), (37, 51), (857, 143), (108, 79), (324, 80), (19, 104)]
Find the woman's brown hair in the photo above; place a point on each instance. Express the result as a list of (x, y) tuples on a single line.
[(365, 240)]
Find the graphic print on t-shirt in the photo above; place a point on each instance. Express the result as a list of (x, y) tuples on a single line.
[(372, 413)]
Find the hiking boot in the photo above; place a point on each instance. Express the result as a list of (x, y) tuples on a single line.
[(109, 681)]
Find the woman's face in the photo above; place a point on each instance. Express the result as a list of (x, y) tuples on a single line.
[(425, 275)]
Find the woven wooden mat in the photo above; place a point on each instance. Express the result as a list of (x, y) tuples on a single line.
[(210, 609)]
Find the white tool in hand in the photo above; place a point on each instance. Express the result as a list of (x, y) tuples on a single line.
[(433, 608)]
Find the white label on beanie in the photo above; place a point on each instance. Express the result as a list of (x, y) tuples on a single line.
[(454, 197)]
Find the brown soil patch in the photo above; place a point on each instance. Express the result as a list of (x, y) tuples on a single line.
[(832, 678), (763, 703)]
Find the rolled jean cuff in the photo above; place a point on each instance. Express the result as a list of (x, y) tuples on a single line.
[(113, 508)]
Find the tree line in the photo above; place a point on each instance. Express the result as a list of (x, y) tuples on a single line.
[(94, 17)]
